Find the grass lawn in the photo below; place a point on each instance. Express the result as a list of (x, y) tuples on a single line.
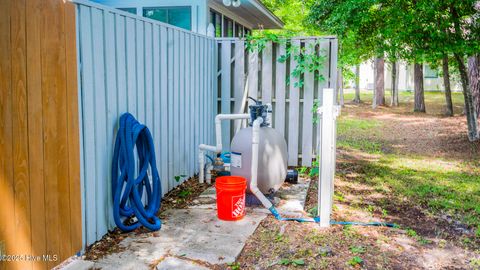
[(444, 185), (450, 186)]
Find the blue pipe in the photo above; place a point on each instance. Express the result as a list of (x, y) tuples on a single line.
[(127, 189), (277, 215), (210, 158)]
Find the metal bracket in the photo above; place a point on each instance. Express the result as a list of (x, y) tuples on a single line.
[(336, 111)]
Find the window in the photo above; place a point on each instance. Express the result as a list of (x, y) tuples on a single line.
[(227, 27), (129, 10), (216, 20), (178, 16), (428, 72), (239, 30)]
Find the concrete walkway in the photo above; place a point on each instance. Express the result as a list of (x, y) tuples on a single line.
[(194, 238)]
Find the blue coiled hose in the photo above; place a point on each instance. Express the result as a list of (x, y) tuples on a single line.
[(127, 186)]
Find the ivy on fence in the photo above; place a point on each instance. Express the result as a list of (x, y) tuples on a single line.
[(308, 59)]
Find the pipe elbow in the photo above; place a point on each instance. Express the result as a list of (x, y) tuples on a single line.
[(205, 147), (253, 188), (218, 119), (258, 122)]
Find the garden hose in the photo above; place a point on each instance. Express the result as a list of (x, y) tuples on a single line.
[(127, 186)]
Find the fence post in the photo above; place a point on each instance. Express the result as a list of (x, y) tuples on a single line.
[(329, 113)]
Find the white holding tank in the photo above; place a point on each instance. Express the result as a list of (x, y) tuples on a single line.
[(272, 152), (272, 157)]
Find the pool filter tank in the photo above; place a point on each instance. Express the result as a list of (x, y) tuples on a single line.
[(272, 160)]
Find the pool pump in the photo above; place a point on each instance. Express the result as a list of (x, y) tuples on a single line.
[(259, 152), (272, 152)]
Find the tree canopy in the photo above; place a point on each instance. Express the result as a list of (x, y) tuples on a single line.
[(413, 30), (293, 13), (416, 31)]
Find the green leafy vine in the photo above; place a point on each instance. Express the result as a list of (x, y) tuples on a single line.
[(308, 59)]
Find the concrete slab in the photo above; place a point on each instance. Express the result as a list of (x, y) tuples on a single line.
[(171, 263), (213, 241), (78, 265), (293, 197), (289, 199), (195, 234)]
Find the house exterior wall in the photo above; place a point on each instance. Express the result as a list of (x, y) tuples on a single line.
[(222, 10), (405, 78), (199, 9)]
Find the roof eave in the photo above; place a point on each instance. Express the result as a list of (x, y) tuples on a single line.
[(260, 6)]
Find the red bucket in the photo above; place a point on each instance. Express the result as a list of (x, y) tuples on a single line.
[(231, 197)]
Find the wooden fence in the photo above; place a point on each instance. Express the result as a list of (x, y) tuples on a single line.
[(271, 81), (161, 74), (39, 137)]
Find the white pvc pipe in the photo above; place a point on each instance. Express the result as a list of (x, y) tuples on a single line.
[(218, 134), (269, 114), (201, 163), (209, 173), (218, 148), (253, 181)]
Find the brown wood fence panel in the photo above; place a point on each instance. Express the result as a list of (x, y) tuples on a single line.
[(40, 208)]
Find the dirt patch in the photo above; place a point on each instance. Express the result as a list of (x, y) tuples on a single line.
[(432, 135), (183, 195)]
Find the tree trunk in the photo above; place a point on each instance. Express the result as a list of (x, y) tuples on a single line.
[(448, 89), (357, 84), (419, 105), (394, 99), (472, 124), (474, 81), (379, 88), (467, 95)]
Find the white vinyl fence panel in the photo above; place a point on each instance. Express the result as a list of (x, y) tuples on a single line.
[(162, 75), (271, 82)]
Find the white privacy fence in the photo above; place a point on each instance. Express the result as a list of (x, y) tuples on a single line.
[(265, 78), (175, 82), (163, 76)]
